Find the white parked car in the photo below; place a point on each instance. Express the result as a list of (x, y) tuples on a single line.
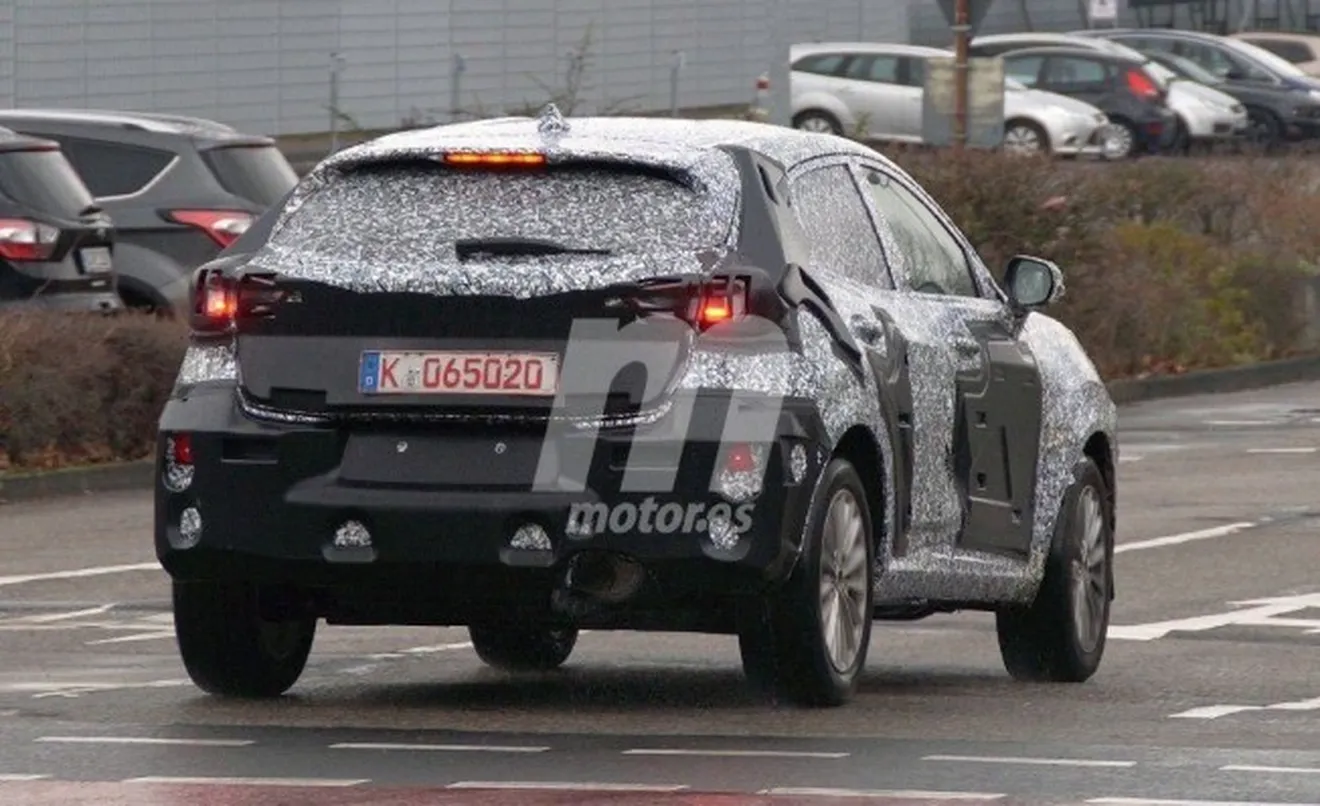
[(1205, 115), (877, 91)]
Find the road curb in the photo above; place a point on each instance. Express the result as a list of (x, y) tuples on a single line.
[(76, 481), (139, 475)]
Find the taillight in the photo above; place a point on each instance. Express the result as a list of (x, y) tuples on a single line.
[(220, 301), (1142, 86), (223, 226), (22, 240), (721, 300)]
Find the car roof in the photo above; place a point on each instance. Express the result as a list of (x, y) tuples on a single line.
[(154, 122), (809, 48), (1167, 33), (662, 142), (1063, 50), (1278, 36)]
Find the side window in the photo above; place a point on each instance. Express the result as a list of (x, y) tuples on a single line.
[(1024, 70), (1295, 52), (878, 69), (822, 64), (915, 67), (1068, 74), (935, 259), (836, 222), (112, 169)]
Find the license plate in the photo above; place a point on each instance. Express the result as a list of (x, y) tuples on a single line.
[(96, 260), (463, 373)]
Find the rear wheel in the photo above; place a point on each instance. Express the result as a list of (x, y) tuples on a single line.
[(523, 648), (1025, 138), (808, 642), (1122, 141), (1061, 636), (816, 121), (231, 648)]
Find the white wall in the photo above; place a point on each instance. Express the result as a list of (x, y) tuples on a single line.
[(264, 65)]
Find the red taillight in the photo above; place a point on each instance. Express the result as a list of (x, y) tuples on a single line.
[(220, 301), (721, 300), (1141, 85), (223, 226), (23, 241), (740, 459), (181, 451)]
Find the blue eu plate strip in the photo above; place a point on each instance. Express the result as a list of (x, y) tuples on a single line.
[(370, 374)]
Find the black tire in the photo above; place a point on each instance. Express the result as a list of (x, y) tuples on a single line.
[(518, 648), (230, 649), (782, 639), (1266, 129), (1046, 641), (802, 120)]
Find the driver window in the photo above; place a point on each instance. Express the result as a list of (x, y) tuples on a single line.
[(935, 259)]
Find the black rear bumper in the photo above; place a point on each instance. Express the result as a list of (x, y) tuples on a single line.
[(443, 510)]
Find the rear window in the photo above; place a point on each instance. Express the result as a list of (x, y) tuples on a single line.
[(406, 212), (259, 174), (43, 181)]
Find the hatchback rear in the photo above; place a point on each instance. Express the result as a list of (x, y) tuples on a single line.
[(55, 242)]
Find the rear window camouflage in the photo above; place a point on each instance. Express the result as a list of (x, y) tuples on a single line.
[(411, 212)]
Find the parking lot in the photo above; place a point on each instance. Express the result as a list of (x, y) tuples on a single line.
[(1209, 691)]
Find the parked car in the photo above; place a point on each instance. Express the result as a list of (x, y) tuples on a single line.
[(1123, 88), (827, 409), (1282, 101), (56, 244), (1302, 50), (179, 189), (1205, 115), (838, 86)]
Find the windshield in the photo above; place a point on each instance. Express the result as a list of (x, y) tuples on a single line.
[(259, 174), (1270, 61), (1162, 75), (45, 181), (1013, 84), (1187, 68)]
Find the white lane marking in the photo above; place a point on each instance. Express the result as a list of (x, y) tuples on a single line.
[(152, 740), (1282, 450), (420, 650), (1152, 802), (79, 573), (444, 748), (1059, 762), (1123, 459), (1234, 423), (10, 777), (304, 782), (48, 618), (662, 751), (40, 690), (905, 794), (587, 786), (122, 639), (1216, 711), (1255, 768), (1187, 537), (1253, 613)]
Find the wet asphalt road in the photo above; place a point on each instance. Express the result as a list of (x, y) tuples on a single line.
[(1210, 690)]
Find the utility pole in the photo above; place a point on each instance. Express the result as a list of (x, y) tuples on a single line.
[(781, 96), (962, 29)]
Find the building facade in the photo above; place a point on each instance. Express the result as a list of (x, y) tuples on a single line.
[(267, 65)]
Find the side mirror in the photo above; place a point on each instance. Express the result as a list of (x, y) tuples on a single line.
[(1032, 282)]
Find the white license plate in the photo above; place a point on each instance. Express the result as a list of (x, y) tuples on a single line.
[(461, 373), (96, 260)]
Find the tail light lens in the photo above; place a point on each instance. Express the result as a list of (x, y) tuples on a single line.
[(223, 226), (221, 301), (24, 241), (1142, 85), (720, 300)]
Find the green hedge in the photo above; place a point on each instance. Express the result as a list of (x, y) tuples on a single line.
[(1170, 265)]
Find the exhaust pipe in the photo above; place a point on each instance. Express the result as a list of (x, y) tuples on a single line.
[(604, 577)]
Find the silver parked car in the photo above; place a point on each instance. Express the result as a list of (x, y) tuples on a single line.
[(877, 91), (1205, 115)]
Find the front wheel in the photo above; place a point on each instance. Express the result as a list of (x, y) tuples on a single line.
[(1025, 138), (1061, 636), (808, 642), (1122, 141), (231, 648), (523, 648)]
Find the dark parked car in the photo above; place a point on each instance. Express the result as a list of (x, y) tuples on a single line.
[(56, 245), (1282, 101), (1118, 85), (644, 374), (179, 189)]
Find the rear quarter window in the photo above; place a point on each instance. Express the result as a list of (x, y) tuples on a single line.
[(259, 174), (406, 212), (113, 169)]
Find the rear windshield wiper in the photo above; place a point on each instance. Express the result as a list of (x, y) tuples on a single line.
[(467, 247)]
